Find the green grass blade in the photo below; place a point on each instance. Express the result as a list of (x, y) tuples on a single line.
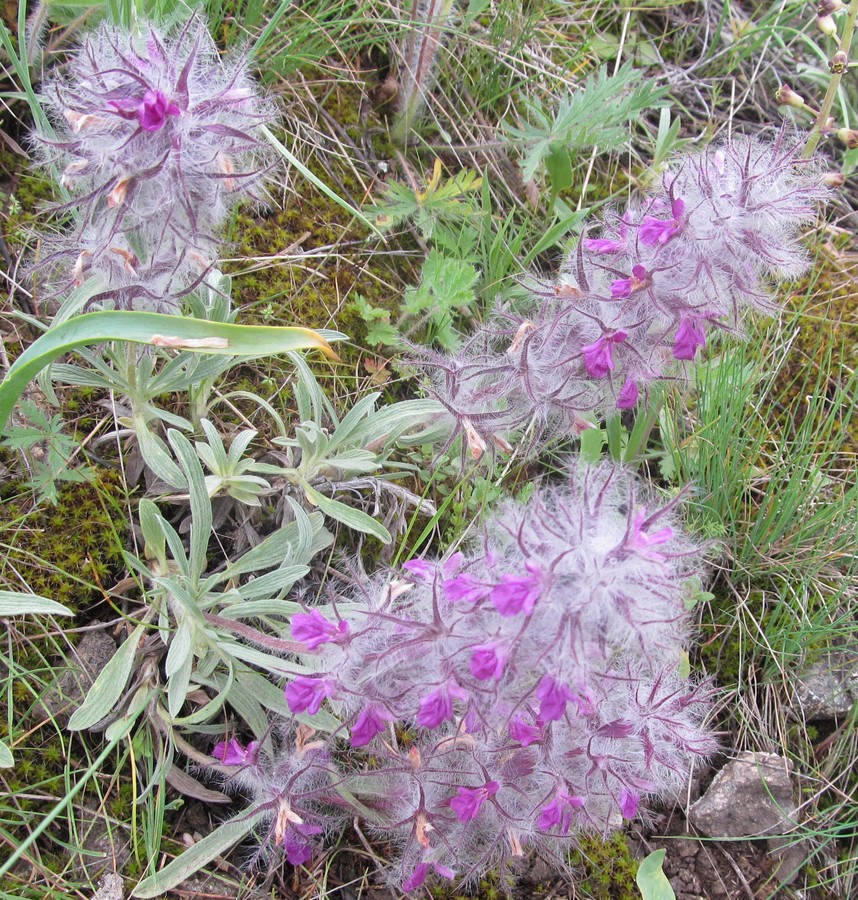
[(182, 333), (293, 160)]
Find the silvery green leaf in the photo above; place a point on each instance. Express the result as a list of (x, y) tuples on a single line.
[(249, 609), (6, 758), (177, 686), (153, 532), (102, 697), (200, 854), (272, 583), (15, 604), (201, 506), (352, 518), (181, 645), (274, 549), (155, 455)]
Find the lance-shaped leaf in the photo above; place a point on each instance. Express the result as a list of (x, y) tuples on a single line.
[(176, 332)]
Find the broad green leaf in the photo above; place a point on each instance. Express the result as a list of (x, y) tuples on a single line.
[(6, 758), (354, 518), (558, 165), (15, 604), (108, 686), (197, 856), (178, 332), (651, 879)]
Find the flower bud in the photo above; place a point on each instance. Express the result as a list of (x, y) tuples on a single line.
[(838, 63), (827, 26), (849, 137), (119, 192), (786, 96), (834, 179), (827, 7)]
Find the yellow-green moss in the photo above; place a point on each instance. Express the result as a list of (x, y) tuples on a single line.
[(62, 551), (605, 870)]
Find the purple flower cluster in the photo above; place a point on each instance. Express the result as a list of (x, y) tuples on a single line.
[(156, 142), (633, 303), (515, 694)]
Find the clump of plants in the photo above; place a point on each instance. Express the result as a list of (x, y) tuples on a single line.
[(156, 139), (512, 696), (634, 305)]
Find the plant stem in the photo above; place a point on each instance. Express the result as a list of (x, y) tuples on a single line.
[(833, 84)]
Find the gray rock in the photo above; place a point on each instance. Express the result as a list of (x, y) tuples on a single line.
[(826, 689), (751, 796), (110, 887), (91, 655)]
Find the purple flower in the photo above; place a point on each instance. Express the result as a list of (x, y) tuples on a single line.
[(629, 801), (157, 136), (640, 541), (437, 706), (298, 849), (368, 724), (525, 734), (313, 629), (489, 660), (557, 815), (516, 594), (421, 569), (232, 753), (628, 396), (598, 360), (307, 693), (153, 110), (689, 336), (465, 587), (418, 876), (654, 231), (625, 287), (610, 245), (604, 245), (468, 801), (425, 569), (552, 698)]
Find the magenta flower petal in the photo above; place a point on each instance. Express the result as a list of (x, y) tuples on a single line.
[(641, 542), (489, 661), (313, 629), (418, 876), (598, 360), (435, 708), (233, 753), (420, 568), (629, 801), (298, 849), (153, 110), (518, 594), (689, 336), (552, 699), (603, 245), (629, 393), (468, 801), (465, 588), (307, 693), (525, 734), (368, 724)]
